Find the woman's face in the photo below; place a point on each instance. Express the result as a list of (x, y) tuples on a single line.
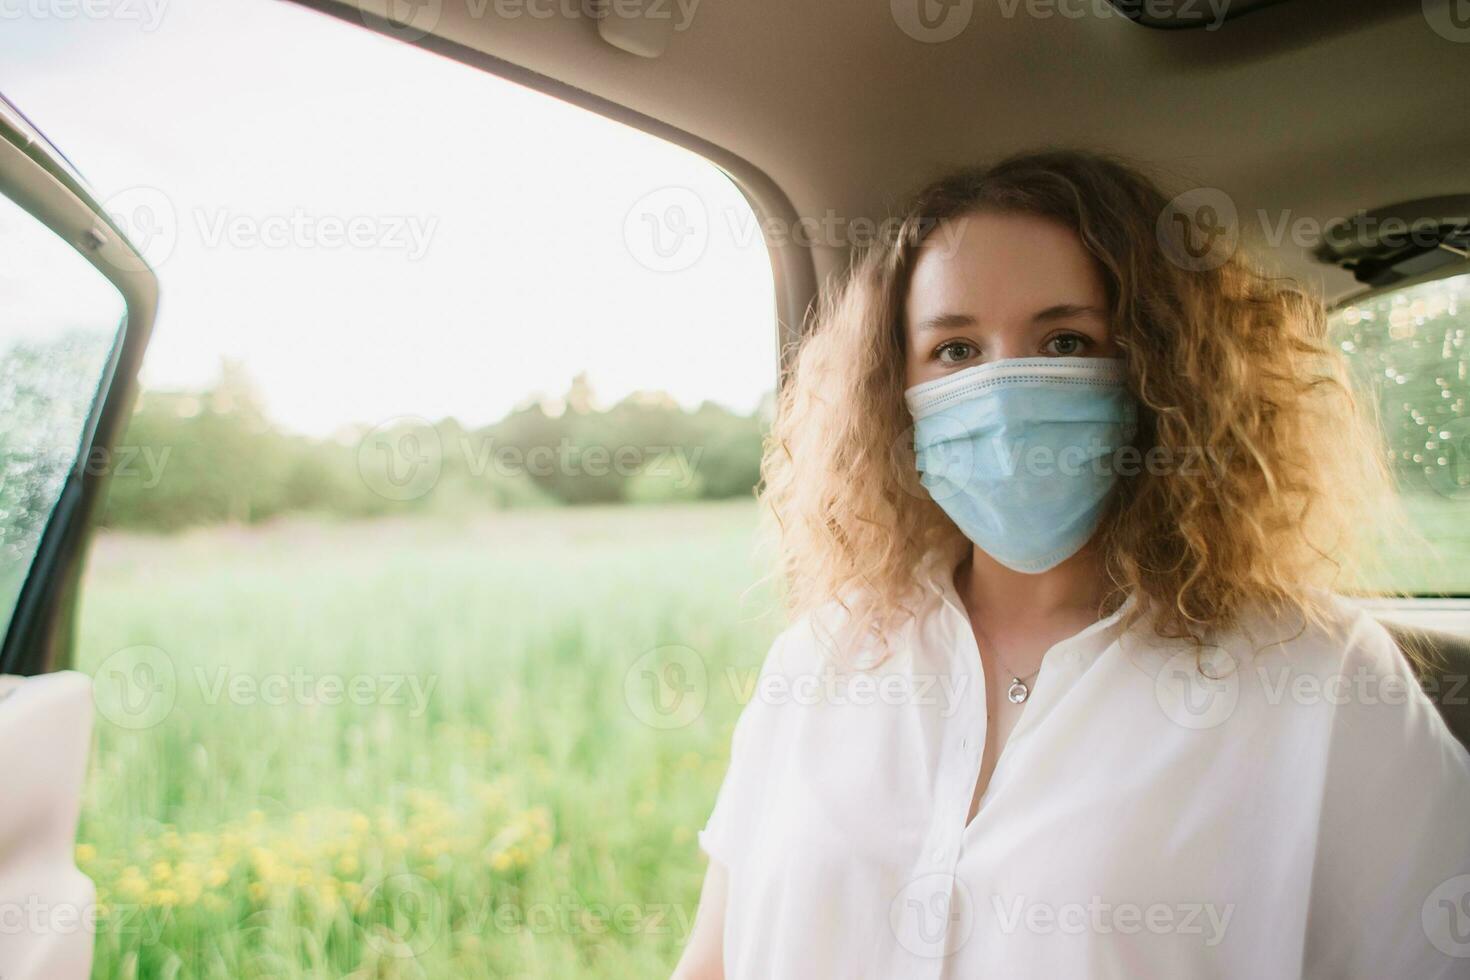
[(988, 287)]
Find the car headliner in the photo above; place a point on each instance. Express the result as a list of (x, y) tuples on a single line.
[(1310, 109)]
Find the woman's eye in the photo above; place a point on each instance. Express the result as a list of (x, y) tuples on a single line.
[(1067, 345), (955, 351)]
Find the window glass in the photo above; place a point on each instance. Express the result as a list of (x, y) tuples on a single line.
[(420, 619), (59, 319), (1409, 352)]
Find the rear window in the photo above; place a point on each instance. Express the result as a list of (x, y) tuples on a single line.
[(1409, 351)]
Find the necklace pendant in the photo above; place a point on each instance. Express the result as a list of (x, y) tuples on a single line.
[(1017, 692)]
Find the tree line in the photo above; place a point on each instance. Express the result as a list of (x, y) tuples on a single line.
[(214, 456)]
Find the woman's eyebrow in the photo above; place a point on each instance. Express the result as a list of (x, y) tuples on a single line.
[(1065, 311), (941, 322), (945, 321)]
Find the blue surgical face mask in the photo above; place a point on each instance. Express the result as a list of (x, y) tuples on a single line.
[(1021, 453)]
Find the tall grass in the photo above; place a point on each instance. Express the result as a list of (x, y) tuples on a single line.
[(497, 797), (524, 810)]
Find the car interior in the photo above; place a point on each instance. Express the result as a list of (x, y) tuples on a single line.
[(1310, 129), (1306, 111)]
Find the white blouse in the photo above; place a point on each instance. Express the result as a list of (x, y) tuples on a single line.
[(1303, 814)]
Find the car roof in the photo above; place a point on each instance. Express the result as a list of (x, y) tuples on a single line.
[(1307, 110)]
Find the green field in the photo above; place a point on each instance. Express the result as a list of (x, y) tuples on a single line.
[(497, 798), (523, 814), (1440, 561)]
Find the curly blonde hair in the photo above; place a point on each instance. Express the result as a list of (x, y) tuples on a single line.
[(1220, 358)]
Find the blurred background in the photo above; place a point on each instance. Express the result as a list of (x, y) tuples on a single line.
[(433, 533), (435, 520)]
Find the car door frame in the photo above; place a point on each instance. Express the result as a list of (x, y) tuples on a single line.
[(39, 180)]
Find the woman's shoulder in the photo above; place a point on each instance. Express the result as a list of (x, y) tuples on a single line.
[(1343, 666), (840, 635), (1319, 661), (827, 637), (1327, 631)]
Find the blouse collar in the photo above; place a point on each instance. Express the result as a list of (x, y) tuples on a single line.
[(936, 573)]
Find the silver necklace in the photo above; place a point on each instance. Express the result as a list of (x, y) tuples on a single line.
[(1018, 692)]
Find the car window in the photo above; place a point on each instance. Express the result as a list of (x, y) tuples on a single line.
[(1409, 354), (420, 617), (59, 321)]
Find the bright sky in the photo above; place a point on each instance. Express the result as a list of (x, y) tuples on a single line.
[(376, 231)]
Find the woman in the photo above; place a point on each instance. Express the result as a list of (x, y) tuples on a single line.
[(1062, 497)]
